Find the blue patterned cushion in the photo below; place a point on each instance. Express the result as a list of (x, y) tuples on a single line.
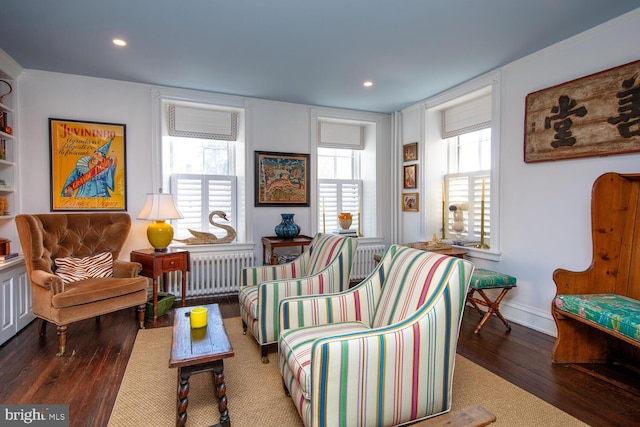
[(614, 312), (487, 279)]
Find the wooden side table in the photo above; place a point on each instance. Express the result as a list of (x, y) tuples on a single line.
[(156, 263), (269, 243), (200, 350)]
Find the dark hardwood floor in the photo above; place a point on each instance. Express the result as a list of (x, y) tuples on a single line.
[(88, 376)]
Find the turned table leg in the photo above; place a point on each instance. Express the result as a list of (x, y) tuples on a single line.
[(183, 392), (221, 393)]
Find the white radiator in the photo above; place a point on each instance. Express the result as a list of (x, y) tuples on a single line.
[(212, 274), (219, 273), (364, 262)]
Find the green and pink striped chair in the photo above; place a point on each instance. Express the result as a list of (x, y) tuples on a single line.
[(323, 267), (381, 353)]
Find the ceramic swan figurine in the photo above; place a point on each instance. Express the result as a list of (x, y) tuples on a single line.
[(203, 238)]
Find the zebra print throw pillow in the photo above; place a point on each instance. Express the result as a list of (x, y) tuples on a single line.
[(72, 269)]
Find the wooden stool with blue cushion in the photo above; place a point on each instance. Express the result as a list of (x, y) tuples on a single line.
[(486, 279)]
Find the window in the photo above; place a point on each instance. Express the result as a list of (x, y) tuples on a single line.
[(345, 142), (339, 188), (468, 184), (462, 137), (199, 149)]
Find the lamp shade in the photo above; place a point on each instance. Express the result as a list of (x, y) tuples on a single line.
[(158, 208)]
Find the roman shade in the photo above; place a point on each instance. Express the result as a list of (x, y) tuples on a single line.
[(340, 135), (468, 116), (192, 122)]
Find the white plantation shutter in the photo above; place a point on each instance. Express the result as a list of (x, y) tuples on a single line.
[(187, 191), (467, 188), (199, 195), (336, 196)]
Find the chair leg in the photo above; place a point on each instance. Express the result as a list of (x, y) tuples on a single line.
[(286, 390), (141, 312), (493, 307), (43, 328), (264, 353), (62, 340), (244, 328)]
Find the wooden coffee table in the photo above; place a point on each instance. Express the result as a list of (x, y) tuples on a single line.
[(200, 350)]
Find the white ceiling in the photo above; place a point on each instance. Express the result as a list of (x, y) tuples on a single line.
[(316, 52)]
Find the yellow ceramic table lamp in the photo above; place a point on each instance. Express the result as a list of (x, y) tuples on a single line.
[(159, 208)]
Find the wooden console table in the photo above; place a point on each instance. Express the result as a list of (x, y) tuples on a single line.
[(269, 243), (156, 263), (454, 252)]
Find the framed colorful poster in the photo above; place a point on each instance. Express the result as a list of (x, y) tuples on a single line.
[(282, 179), (87, 162)]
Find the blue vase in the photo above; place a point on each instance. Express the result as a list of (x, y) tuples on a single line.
[(287, 229)]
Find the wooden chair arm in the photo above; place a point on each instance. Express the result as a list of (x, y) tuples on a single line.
[(590, 281)]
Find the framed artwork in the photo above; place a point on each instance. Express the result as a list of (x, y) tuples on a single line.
[(410, 152), (411, 202), (282, 179), (596, 115), (410, 174), (88, 166)]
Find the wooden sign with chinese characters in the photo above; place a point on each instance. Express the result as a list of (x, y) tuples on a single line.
[(596, 115)]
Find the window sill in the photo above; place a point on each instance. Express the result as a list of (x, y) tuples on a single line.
[(488, 254), (216, 247), (369, 240)]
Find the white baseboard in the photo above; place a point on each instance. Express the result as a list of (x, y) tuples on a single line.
[(530, 317)]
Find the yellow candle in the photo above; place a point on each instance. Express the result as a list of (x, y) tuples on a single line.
[(198, 317), (324, 229), (443, 213), (483, 190)]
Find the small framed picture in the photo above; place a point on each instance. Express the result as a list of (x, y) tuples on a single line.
[(410, 152), (410, 174), (411, 202)]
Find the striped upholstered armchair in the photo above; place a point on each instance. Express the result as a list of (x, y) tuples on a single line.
[(323, 267), (391, 339)]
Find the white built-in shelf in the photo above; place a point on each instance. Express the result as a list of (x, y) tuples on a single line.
[(11, 262)]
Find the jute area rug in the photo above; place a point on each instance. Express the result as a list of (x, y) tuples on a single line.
[(147, 395)]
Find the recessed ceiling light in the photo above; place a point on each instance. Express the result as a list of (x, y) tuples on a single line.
[(119, 42), (367, 83)]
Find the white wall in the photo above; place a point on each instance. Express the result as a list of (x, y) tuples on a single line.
[(545, 207), (272, 126)]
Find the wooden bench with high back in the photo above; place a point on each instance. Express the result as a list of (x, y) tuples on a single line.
[(597, 311)]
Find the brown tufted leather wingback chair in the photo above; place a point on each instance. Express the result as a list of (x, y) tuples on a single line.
[(45, 237)]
